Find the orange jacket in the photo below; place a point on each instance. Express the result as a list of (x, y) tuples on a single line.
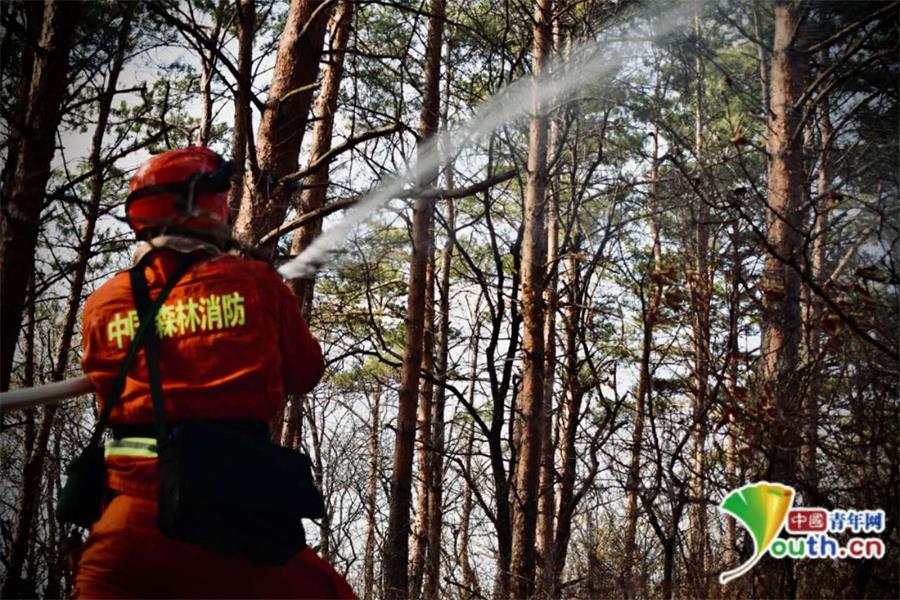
[(232, 342)]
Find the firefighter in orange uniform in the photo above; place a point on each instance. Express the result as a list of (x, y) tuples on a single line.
[(232, 343)]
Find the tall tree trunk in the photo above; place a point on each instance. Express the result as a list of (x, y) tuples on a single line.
[(734, 315), (319, 477), (650, 315), (808, 467), (34, 466), (569, 417), (668, 568), (547, 484), (55, 542), (34, 20), (396, 552), (265, 203), (592, 584), (287, 428), (781, 323), (435, 494), (470, 579), (668, 535), (547, 498), (23, 198), (243, 116), (209, 60), (500, 378), (700, 298), (15, 586), (504, 518), (761, 57), (425, 474), (28, 380), (781, 284), (533, 269), (372, 498), (316, 184)]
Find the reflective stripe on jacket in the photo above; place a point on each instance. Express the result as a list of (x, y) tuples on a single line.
[(135, 446)]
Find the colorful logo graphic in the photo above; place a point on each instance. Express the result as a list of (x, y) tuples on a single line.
[(764, 509), (761, 508)]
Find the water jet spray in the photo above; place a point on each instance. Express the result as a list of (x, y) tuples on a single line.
[(586, 65)]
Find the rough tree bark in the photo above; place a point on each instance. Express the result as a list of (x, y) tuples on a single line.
[(315, 186), (264, 203), (781, 323), (23, 197), (396, 551), (424, 473), (243, 117), (781, 284), (533, 268)]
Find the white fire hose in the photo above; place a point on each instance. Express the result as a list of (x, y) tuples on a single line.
[(50, 393)]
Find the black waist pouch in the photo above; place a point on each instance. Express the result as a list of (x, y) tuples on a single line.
[(81, 498), (239, 494)]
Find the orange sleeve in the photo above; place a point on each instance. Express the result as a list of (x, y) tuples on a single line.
[(90, 350), (97, 362), (302, 360)]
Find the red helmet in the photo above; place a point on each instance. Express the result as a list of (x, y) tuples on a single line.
[(181, 190)]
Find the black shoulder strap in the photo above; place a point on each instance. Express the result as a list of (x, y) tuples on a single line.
[(151, 351), (147, 323)]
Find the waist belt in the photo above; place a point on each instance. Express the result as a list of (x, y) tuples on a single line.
[(139, 439), (148, 430)]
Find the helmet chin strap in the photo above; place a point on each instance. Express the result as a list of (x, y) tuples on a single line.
[(188, 206), (217, 181)]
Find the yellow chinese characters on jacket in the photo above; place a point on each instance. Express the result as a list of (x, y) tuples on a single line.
[(182, 317)]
